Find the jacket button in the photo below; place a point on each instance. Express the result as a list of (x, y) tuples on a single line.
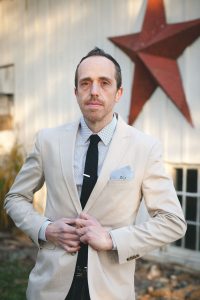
[(133, 257)]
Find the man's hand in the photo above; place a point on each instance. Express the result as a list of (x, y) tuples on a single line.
[(91, 232), (63, 233)]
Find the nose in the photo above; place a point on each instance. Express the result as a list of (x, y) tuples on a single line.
[(94, 89)]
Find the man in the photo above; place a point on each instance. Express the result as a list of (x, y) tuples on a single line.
[(87, 236)]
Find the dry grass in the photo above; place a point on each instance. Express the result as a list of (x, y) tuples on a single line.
[(9, 167)]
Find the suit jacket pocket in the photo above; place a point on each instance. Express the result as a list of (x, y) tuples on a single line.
[(121, 182), (120, 200)]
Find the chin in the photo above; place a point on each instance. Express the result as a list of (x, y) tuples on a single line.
[(93, 117)]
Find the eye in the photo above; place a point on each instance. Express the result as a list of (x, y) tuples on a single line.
[(105, 83), (84, 83)]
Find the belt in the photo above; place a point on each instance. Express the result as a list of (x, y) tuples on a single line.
[(80, 272)]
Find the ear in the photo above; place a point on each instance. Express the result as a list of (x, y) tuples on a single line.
[(118, 94), (75, 91)]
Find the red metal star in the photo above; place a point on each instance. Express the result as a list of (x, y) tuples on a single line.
[(154, 51)]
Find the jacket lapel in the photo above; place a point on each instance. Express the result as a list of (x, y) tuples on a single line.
[(67, 145), (117, 149)]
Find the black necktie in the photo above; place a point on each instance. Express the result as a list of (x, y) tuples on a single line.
[(89, 180), (90, 171)]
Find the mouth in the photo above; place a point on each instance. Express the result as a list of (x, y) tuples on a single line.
[(94, 104)]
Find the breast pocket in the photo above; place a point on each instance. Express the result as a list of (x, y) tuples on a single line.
[(119, 200), (121, 182), (123, 190)]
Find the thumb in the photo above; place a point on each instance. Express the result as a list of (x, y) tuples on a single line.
[(84, 216)]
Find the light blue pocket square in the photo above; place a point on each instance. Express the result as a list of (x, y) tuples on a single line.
[(122, 174)]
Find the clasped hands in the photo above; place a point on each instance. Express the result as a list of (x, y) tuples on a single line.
[(68, 233)]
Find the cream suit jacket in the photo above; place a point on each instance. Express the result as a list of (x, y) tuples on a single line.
[(114, 203)]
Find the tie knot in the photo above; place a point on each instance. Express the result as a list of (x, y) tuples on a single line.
[(94, 139)]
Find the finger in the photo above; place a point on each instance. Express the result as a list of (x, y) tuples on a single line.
[(84, 239), (71, 230), (81, 231), (70, 249), (69, 237), (81, 223), (69, 221), (73, 244), (69, 243), (68, 229), (84, 216)]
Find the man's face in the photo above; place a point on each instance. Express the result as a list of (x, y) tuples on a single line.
[(96, 90)]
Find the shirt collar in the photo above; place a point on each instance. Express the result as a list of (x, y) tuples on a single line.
[(105, 134)]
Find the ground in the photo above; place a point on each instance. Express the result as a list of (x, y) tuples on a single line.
[(156, 281), (153, 281)]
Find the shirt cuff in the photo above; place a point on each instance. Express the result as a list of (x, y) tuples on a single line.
[(113, 241), (42, 231)]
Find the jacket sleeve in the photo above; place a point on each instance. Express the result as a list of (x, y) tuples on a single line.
[(19, 200), (166, 223)]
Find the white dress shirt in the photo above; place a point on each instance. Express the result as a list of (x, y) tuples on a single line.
[(82, 144)]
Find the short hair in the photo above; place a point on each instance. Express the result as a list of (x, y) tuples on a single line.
[(99, 52)]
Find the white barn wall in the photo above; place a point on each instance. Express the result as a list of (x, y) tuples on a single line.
[(160, 117), (45, 40)]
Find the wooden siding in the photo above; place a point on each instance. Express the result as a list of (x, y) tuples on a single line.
[(45, 39)]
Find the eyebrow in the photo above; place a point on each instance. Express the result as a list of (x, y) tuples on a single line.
[(90, 79), (105, 78), (85, 79)]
